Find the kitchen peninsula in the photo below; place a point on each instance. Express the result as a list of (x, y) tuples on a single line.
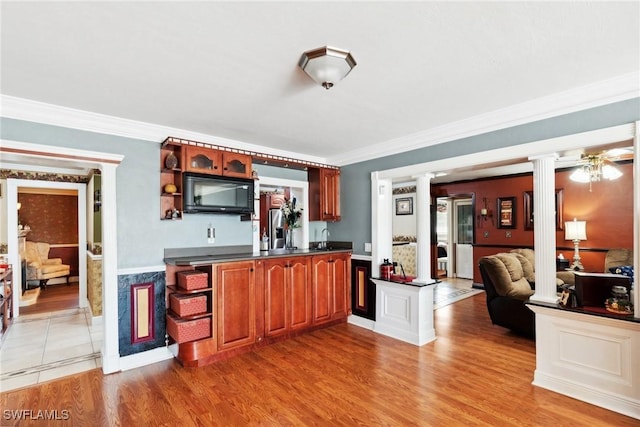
[(251, 299)]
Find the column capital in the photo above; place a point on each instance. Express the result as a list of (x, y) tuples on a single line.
[(545, 156), (428, 175)]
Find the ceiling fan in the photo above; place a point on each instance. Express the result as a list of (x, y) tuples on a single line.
[(593, 167)]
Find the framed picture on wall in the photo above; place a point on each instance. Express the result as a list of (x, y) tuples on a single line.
[(528, 210), (506, 212), (404, 206)]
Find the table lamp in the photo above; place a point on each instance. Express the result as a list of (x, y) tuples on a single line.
[(575, 230)]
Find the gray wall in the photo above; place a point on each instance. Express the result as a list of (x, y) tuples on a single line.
[(355, 181), (142, 236)]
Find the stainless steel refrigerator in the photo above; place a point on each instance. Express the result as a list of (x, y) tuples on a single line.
[(276, 229)]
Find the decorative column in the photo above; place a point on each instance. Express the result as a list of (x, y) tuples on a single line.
[(544, 225), (423, 226), (381, 221), (110, 349)]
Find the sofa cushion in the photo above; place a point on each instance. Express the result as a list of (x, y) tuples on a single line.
[(617, 257), (625, 270), (529, 254), (527, 267)]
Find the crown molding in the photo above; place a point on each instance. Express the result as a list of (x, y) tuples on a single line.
[(40, 112), (620, 88)]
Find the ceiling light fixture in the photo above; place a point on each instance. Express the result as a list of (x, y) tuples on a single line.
[(327, 65), (594, 167)]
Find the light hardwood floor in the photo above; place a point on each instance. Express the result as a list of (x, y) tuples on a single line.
[(473, 374)]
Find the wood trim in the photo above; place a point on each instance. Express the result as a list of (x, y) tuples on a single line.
[(59, 155), (142, 322)]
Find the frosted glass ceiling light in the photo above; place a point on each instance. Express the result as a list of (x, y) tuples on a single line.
[(327, 65)]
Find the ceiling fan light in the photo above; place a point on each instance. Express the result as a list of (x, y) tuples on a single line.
[(580, 175), (327, 65), (610, 172)]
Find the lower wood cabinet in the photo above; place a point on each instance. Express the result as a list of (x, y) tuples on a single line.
[(331, 274), (268, 298), (236, 303), (287, 292)]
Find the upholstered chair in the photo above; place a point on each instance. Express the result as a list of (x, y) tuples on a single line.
[(42, 268)]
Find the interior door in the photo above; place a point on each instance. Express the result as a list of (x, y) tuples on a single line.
[(463, 237)]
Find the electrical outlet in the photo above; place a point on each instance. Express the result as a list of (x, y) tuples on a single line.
[(507, 234), (211, 235), (367, 247), (486, 234)]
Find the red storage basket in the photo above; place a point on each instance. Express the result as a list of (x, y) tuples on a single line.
[(188, 330), (190, 280), (188, 305)]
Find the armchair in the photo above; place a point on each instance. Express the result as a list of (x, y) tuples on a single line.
[(42, 268), (507, 291)]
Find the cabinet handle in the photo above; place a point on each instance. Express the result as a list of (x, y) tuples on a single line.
[(251, 270)]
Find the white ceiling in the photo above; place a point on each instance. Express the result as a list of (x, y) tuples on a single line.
[(229, 69)]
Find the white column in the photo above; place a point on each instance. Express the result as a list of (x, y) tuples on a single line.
[(544, 226), (636, 216), (423, 226), (110, 349), (381, 221)]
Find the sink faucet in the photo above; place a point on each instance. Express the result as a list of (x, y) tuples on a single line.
[(324, 242)]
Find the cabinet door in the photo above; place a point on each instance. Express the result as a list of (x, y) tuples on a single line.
[(203, 160), (300, 292), (236, 165), (331, 195), (236, 302), (322, 289), (275, 290), (324, 194), (340, 276)]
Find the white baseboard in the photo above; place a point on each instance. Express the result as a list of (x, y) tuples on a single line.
[(362, 322), (145, 358), (616, 403)]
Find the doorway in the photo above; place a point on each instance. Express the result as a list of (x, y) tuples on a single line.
[(462, 221), (54, 336), (48, 218)]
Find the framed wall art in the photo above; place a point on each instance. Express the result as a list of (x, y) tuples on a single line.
[(404, 206), (528, 210), (506, 212)]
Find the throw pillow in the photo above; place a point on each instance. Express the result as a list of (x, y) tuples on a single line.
[(625, 270)]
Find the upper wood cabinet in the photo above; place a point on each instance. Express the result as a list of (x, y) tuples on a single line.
[(203, 160), (217, 162), (170, 177), (324, 194), (236, 165)]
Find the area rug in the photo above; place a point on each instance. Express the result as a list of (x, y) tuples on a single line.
[(30, 297), (445, 294)]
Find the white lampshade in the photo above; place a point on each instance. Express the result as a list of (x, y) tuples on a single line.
[(575, 230), (327, 65), (580, 175), (610, 172)]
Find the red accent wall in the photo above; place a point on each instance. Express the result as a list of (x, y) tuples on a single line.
[(607, 208), (53, 219)]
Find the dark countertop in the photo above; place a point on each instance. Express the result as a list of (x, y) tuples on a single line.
[(246, 256), (592, 311), (408, 283)]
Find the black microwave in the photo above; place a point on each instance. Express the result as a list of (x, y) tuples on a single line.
[(217, 194)]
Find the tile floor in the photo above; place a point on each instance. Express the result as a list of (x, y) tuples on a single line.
[(45, 346)]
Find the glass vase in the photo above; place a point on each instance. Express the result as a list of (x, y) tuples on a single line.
[(288, 242)]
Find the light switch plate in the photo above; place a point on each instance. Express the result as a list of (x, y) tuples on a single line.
[(367, 247)]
